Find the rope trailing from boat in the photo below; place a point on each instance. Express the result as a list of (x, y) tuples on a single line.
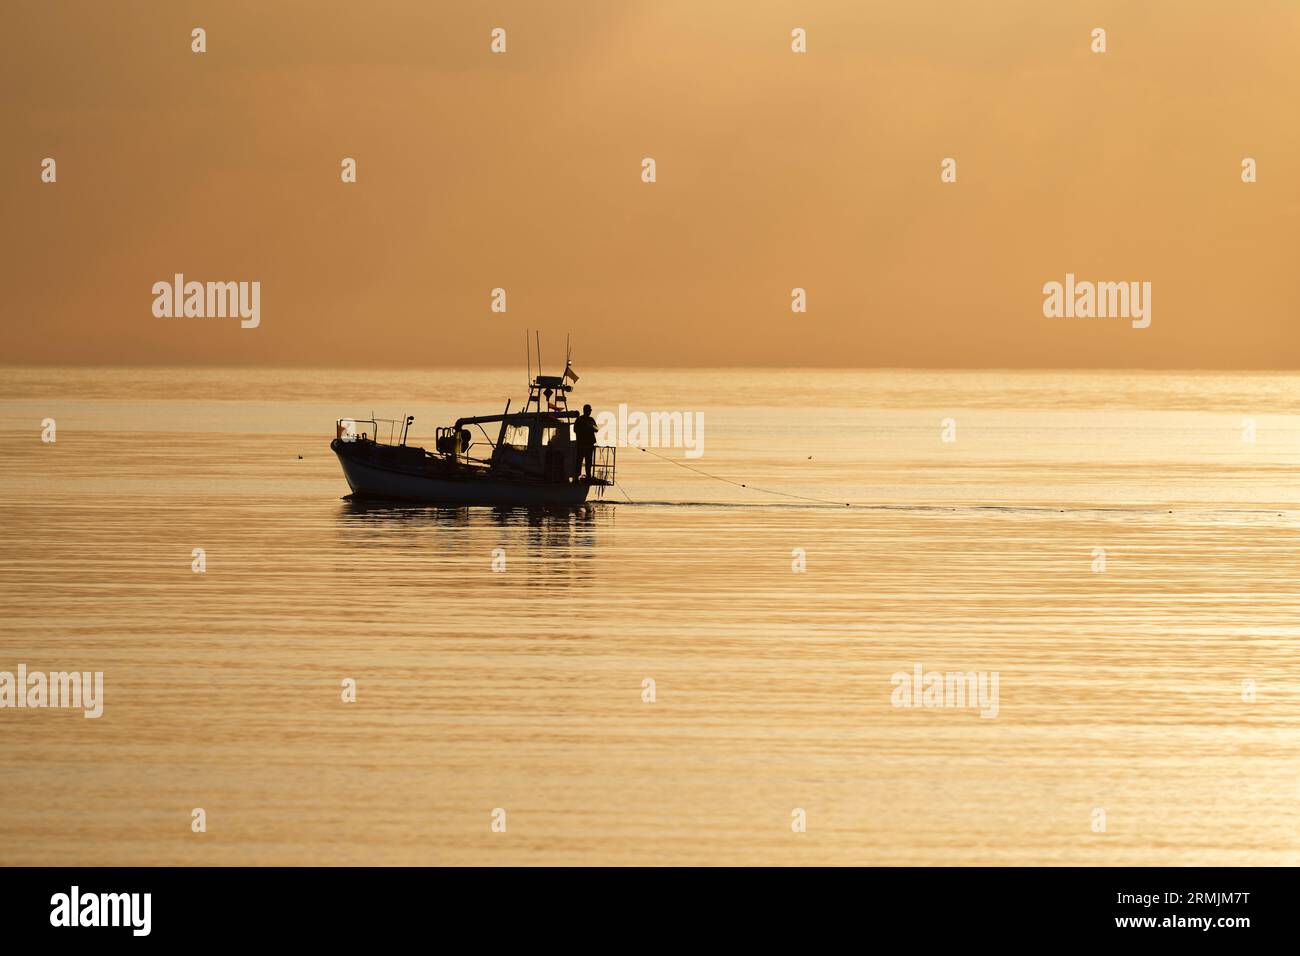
[(740, 484)]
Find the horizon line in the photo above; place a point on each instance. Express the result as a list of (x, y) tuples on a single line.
[(654, 368)]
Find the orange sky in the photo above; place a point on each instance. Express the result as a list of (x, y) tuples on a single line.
[(775, 170)]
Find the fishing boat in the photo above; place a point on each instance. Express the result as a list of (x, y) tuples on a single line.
[(531, 462)]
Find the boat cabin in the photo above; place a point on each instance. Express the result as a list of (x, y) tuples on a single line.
[(536, 443)]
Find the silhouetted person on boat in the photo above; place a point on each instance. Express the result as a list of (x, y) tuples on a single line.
[(584, 429)]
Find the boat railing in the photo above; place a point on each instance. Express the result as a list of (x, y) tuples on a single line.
[(603, 464), (349, 429)]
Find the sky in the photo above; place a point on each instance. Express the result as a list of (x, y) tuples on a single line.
[(774, 170)]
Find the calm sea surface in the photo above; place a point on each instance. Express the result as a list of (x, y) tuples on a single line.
[(1122, 691)]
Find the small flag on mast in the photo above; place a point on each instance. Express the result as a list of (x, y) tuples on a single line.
[(570, 373)]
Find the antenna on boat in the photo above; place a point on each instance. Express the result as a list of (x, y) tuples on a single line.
[(529, 350), (569, 373), (539, 351)]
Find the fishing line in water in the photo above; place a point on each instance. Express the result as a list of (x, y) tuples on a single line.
[(739, 484)]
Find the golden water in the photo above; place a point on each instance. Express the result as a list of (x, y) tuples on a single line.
[(1120, 690)]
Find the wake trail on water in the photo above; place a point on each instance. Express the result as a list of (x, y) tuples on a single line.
[(827, 505), (811, 501)]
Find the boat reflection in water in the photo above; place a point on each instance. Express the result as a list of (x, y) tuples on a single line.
[(548, 541)]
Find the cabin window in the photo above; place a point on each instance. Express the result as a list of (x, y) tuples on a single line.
[(517, 436)]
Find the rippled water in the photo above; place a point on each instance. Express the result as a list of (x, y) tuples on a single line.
[(1120, 689)]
